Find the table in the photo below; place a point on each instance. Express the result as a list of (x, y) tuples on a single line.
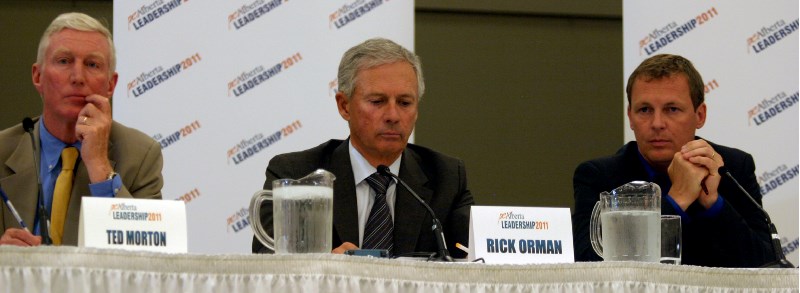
[(73, 269)]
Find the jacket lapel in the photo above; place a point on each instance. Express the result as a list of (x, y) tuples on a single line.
[(21, 187), (630, 153), (410, 217), (345, 215)]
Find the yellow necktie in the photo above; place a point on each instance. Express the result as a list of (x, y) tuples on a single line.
[(61, 193)]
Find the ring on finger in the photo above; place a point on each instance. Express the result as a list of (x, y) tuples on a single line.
[(713, 154)]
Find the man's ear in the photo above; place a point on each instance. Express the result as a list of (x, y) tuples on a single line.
[(112, 83), (701, 115), (343, 104), (36, 77), (630, 122)]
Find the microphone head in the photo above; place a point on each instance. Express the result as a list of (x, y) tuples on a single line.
[(384, 170), (27, 124)]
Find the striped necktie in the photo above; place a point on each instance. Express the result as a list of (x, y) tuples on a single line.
[(379, 231), (61, 193)]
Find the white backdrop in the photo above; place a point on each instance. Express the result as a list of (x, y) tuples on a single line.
[(747, 53), (226, 85)]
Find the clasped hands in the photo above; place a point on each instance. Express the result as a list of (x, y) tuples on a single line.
[(694, 172)]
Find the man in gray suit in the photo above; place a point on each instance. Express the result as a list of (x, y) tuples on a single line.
[(380, 85), (75, 75)]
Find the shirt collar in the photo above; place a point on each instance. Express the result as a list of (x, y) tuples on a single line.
[(362, 169), (51, 146), (650, 171)]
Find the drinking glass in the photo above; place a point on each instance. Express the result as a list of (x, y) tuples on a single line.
[(671, 239)]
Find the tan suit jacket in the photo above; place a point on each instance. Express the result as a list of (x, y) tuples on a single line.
[(134, 155)]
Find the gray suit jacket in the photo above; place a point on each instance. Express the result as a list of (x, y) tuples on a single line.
[(438, 179), (134, 155)]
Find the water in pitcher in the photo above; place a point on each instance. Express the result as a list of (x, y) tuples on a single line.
[(626, 232), (303, 219)]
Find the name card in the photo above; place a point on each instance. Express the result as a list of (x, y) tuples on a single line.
[(520, 235), (133, 224)]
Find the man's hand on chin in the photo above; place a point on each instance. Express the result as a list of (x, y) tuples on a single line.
[(93, 129)]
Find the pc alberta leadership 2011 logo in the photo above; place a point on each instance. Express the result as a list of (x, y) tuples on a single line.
[(238, 220), (149, 13), (122, 211), (771, 107), (770, 35), (665, 35), (772, 180), (147, 81), (130, 212), (259, 75), (249, 13), (350, 12), (517, 221), (250, 147)]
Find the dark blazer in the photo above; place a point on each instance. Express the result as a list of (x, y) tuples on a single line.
[(440, 180), (737, 237), (134, 155)]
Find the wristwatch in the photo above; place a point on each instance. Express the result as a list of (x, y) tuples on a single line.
[(111, 175)]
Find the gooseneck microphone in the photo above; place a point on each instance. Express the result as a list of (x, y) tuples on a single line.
[(444, 254), (780, 258), (44, 219)]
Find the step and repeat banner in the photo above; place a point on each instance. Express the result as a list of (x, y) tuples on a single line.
[(226, 85), (747, 53)]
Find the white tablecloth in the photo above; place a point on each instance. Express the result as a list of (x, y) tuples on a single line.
[(71, 269)]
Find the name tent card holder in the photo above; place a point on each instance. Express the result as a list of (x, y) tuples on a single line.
[(520, 235), (133, 224)]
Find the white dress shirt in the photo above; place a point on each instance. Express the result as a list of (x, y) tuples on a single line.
[(365, 196)]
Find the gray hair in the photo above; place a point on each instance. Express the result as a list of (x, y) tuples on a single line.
[(372, 53), (80, 22)]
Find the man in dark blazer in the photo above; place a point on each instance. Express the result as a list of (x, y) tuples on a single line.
[(721, 227), (380, 84), (75, 76)]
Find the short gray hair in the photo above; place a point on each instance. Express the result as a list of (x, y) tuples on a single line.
[(80, 22), (372, 53)]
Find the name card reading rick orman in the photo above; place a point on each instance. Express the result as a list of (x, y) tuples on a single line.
[(518, 235)]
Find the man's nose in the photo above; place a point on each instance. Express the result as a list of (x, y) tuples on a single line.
[(658, 121), (78, 74), (392, 114)]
